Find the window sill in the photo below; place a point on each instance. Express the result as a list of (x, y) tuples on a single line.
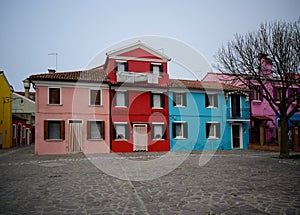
[(211, 107), (179, 138), (95, 139), (95, 105), (54, 104), (120, 139), (180, 106), (213, 138), (158, 139), (158, 108), (256, 101), (120, 106), (54, 140)]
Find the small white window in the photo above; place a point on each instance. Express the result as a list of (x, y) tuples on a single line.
[(179, 130), (120, 99), (212, 130), (121, 131), (158, 131)]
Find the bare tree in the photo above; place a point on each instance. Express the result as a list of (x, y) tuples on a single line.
[(247, 58)]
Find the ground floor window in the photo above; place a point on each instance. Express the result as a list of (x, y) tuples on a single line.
[(121, 131), (180, 130), (212, 130), (54, 129), (158, 131), (95, 130)]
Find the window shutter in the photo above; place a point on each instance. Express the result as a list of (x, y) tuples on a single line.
[(216, 100), (206, 100), (298, 95), (116, 67), (162, 100), (274, 93), (185, 130), (152, 131), (161, 72), (102, 129), (218, 130), (164, 131), (184, 99), (127, 134), (88, 130), (126, 98), (151, 68), (126, 66), (114, 132), (54, 96), (151, 99), (62, 129), (114, 97), (261, 98), (174, 100), (174, 130), (46, 130), (207, 129), (252, 91)]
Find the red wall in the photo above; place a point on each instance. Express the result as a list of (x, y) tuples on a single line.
[(139, 111)]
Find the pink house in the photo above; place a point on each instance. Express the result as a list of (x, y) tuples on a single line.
[(264, 121), (73, 110)]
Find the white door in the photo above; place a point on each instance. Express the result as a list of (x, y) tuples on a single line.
[(75, 136), (140, 137)]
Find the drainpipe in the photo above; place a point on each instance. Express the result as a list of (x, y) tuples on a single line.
[(110, 118)]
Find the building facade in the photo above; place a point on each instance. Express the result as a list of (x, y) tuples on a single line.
[(207, 116), (5, 112)]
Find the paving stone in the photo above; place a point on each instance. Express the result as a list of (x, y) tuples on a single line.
[(232, 182)]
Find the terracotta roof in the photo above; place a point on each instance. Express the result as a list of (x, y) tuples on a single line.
[(195, 84), (96, 74)]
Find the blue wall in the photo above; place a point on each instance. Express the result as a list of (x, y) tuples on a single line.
[(197, 115)]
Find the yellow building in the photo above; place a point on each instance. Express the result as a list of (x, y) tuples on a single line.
[(5, 112)]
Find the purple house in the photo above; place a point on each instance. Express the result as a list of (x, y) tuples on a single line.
[(264, 121)]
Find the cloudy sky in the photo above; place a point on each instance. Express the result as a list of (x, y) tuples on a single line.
[(79, 30)]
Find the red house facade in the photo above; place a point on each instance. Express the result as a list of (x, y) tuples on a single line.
[(138, 79)]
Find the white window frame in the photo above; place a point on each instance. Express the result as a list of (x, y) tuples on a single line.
[(214, 136), (89, 135), (181, 99), (90, 97), (212, 100), (116, 98), (182, 129), (162, 125), (60, 95), (125, 124)]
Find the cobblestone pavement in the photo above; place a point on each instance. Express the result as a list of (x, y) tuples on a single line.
[(232, 182)]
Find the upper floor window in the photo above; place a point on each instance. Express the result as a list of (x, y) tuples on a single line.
[(156, 69), (180, 130), (121, 99), (54, 130), (54, 96), (95, 130), (121, 66), (235, 105), (256, 94), (95, 97), (179, 99), (277, 93), (212, 130), (211, 100), (293, 94), (157, 100)]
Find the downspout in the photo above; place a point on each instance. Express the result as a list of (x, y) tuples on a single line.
[(110, 118)]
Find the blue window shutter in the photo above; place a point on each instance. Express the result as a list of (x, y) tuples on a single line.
[(218, 130), (207, 129), (174, 101), (216, 100), (184, 99), (174, 130), (185, 130), (206, 100)]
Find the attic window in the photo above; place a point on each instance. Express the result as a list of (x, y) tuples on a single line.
[(156, 69), (121, 66)]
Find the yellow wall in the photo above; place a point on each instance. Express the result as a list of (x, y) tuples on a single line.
[(5, 112)]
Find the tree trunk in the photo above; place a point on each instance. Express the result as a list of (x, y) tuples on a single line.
[(284, 146)]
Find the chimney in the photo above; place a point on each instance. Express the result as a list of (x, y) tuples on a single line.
[(26, 84), (51, 71)]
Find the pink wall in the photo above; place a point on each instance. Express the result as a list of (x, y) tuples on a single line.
[(75, 105)]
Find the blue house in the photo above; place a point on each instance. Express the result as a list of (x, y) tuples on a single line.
[(207, 116)]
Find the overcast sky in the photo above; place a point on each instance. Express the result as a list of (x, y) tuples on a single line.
[(78, 30)]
